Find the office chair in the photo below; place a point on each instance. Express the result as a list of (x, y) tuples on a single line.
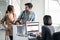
[(56, 36)]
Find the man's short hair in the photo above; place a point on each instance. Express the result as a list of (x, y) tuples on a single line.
[(29, 5)]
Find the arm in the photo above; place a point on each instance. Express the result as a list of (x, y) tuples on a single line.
[(21, 16), (12, 18), (43, 34), (32, 16), (3, 20)]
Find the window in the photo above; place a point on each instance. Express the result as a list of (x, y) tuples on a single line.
[(3, 6), (52, 7)]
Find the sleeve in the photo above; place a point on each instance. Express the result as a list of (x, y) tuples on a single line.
[(20, 16), (3, 20), (32, 18)]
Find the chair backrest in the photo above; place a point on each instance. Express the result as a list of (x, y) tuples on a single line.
[(56, 36)]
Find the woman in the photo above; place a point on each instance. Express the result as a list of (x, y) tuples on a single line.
[(47, 29), (9, 19)]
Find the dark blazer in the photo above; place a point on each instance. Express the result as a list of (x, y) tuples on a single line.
[(46, 33)]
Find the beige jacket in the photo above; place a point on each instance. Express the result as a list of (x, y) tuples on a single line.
[(8, 19)]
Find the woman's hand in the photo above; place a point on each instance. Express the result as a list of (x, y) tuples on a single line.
[(38, 33)]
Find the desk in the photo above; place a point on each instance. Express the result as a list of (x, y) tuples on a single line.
[(19, 35)]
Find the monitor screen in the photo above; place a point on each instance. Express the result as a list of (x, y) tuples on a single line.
[(21, 30), (33, 27)]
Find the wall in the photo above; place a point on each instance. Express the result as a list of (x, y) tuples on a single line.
[(52, 7)]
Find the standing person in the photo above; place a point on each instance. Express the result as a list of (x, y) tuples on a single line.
[(9, 19), (27, 15), (47, 29)]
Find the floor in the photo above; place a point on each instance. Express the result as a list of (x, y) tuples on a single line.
[(2, 34)]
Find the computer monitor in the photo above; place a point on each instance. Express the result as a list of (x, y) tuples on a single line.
[(33, 27), (21, 30)]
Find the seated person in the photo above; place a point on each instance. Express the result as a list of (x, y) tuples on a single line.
[(47, 29)]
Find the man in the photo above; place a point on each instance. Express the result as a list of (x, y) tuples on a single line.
[(27, 15)]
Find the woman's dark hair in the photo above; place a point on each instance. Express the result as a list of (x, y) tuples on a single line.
[(29, 5), (47, 20), (9, 8)]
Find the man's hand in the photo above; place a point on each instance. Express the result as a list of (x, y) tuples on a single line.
[(27, 22), (20, 21)]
